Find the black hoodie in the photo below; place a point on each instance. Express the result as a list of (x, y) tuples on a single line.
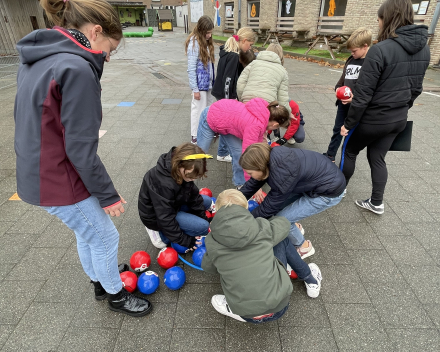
[(228, 70), (161, 198), (391, 78)]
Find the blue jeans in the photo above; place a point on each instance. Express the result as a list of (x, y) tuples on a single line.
[(97, 240), (301, 206), (205, 135), (191, 224), (222, 147)]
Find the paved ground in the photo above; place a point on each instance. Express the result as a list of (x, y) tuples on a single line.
[(381, 288)]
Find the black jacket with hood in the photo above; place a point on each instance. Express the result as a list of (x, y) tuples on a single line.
[(391, 78), (228, 70), (161, 198)]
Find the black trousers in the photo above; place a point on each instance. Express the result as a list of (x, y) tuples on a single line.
[(378, 140), (336, 139)]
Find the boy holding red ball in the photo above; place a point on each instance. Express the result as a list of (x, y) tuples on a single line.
[(358, 43)]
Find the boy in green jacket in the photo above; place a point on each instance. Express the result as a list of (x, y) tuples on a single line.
[(251, 256)]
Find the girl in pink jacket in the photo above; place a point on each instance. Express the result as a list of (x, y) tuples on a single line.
[(241, 125)]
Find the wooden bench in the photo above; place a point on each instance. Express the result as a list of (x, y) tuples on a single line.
[(330, 30), (284, 29), (254, 22), (229, 25)]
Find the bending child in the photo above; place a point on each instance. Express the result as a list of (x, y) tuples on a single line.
[(170, 205), (252, 256)]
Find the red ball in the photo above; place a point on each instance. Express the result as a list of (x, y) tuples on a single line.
[(129, 280), (275, 144), (208, 214), (140, 261), (167, 258), (343, 93), (292, 274), (206, 192)]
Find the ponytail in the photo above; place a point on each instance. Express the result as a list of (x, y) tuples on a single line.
[(231, 44), (76, 13), (279, 113)]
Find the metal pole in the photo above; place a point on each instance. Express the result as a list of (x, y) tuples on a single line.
[(434, 21), (239, 14)]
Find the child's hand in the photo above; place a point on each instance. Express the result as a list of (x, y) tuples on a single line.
[(344, 131), (293, 117), (197, 95), (347, 101), (116, 210), (259, 196), (198, 242)]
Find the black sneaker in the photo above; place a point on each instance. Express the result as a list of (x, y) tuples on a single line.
[(366, 204), (100, 293), (123, 267), (331, 157), (127, 303)]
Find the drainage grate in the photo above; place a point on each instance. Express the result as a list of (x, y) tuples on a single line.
[(159, 75)]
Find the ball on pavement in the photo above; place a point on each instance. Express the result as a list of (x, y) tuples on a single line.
[(129, 280), (252, 204), (198, 256), (140, 261), (148, 282), (167, 258), (206, 192), (174, 278)]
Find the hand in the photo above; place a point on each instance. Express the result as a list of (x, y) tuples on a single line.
[(197, 95), (198, 242), (282, 141), (344, 131), (293, 117), (259, 196), (117, 209), (347, 101)]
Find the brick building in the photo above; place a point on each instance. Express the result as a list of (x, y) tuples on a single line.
[(301, 17)]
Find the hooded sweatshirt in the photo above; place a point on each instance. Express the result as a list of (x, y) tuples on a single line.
[(161, 198), (391, 78), (57, 118), (240, 249), (228, 70), (265, 78), (245, 121)]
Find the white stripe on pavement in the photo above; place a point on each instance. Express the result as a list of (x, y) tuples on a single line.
[(436, 95), (335, 70)]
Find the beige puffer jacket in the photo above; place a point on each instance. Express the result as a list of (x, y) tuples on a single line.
[(264, 78)]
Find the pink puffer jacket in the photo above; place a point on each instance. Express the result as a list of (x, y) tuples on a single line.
[(245, 121)]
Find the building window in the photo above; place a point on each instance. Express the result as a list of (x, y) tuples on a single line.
[(229, 9), (286, 8), (253, 9), (332, 8), (420, 7)]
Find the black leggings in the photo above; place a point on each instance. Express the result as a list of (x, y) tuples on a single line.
[(378, 140)]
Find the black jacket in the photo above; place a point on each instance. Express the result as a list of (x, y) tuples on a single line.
[(295, 171), (160, 198), (228, 70), (391, 78)]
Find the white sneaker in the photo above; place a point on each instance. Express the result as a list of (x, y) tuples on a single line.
[(220, 305), (226, 158), (312, 289), (291, 141), (155, 238)]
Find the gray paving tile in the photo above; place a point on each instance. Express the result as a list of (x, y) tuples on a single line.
[(312, 314), (397, 228), (352, 315), (362, 339), (405, 211), (42, 328), (198, 314), (171, 101), (375, 266), (5, 268), (433, 311), (56, 234), (38, 263), (148, 339), (162, 317), (329, 249), (17, 296), (34, 221), (414, 339), (5, 331), (358, 236), (426, 234), (12, 210), (203, 292), (341, 284), (198, 340), (4, 226), (252, 337), (311, 339), (405, 250), (77, 339), (346, 212), (95, 314), (14, 246), (425, 282)]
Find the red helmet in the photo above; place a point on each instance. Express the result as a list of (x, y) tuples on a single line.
[(167, 258), (129, 280), (140, 261), (206, 192)]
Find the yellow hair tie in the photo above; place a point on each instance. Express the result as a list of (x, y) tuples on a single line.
[(197, 156)]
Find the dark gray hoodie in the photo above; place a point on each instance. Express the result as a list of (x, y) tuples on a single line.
[(57, 119)]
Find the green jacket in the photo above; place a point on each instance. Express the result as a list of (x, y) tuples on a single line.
[(264, 78), (240, 249)]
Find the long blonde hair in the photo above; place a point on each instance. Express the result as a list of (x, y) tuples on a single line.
[(206, 47), (76, 13), (231, 44)]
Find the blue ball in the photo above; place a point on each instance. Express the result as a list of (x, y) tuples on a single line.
[(148, 282), (203, 242), (198, 256), (252, 205), (179, 248), (214, 199), (174, 278)]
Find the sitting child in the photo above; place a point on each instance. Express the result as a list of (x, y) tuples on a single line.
[(295, 132), (170, 205), (251, 255)]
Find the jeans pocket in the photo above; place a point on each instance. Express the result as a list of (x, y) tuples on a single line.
[(326, 200)]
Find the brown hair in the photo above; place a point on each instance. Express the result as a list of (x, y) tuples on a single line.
[(277, 49), (206, 47), (76, 13), (256, 157), (246, 57), (178, 154), (229, 197), (359, 38), (279, 113), (394, 14)]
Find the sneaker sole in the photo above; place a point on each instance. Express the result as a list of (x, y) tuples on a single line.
[(223, 313), (373, 211), (308, 254), (139, 314), (225, 161)]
